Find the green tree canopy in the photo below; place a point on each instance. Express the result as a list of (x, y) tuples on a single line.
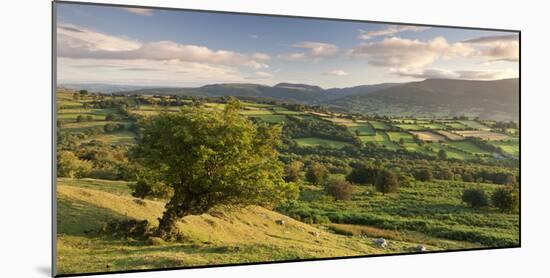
[(211, 158), (386, 182)]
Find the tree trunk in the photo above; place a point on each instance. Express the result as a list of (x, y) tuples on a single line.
[(167, 229)]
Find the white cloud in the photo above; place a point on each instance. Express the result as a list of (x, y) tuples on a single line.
[(78, 43), (144, 72), (336, 73), (253, 36), (263, 74), (139, 11), (497, 48), (314, 50), (399, 53), (73, 37), (459, 74), (389, 31)]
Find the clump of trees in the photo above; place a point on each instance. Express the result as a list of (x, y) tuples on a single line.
[(70, 166), (363, 174), (505, 199), (339, 189), (475, 197), (211, 159)]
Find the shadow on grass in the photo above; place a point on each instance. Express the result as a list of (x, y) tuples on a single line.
[(83, 219)]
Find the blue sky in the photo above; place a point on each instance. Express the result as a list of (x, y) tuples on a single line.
[(105, 44)]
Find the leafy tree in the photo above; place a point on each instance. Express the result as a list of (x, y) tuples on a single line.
[(80, 118), (70, 166), (424, 175), (363, 174), (83, 92), (339, 189), (386, 182), (442, 154), (475, 197), (292, 171), (211, 158), (317, 173), (505, 199)]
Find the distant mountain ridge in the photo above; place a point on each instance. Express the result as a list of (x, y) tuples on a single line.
[(497, 99)]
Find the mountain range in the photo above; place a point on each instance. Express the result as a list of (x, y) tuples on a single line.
[(495, 100)]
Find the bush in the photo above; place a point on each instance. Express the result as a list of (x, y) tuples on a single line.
[(475, 197), (424, 175), (387, 182), (339, 189), (292, 171), (317, 173), (505, 199)]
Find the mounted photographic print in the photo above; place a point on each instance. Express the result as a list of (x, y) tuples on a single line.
[(188, 138)]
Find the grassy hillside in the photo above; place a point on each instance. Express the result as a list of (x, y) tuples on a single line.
[(238, 236)]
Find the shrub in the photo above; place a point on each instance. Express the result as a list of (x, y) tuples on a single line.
[(339, 189), (424, 175), (317, 173), (475, 197), (292, 171), (387, 182), (505, 199)]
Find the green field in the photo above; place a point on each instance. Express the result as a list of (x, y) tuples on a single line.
[(410, 126), (363, 129), (271, 118), (379, 125), (468, 147), (381, 138), (314, 142), (510, 147)]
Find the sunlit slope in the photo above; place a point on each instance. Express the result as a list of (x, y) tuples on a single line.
[(245, 235)]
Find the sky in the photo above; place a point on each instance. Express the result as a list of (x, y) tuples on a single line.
[(155, 47)]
